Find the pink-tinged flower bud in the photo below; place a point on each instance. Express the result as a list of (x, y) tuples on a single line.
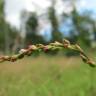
[(45, 48), (1, 58), (65, 45), (32, 47)]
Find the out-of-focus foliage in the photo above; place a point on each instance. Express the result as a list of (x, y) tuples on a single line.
[(56, 35), (7, 33), (32, 36), (1, 24), (82, 24)]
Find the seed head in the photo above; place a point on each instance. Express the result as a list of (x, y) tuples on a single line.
[(66, 43)]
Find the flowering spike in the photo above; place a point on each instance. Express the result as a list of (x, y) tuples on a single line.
[(50, 47)]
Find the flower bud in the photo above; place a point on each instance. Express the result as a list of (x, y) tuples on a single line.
[(24, 51), (66, 43), (1, 59), (45, 48), (7, 58), (20, 56), (56, 44), (32, 47), (79, 48), (14, 58), (83, 58)]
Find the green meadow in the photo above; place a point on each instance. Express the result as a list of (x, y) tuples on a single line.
[(47, 76)]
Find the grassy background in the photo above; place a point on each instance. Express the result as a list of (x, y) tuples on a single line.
[(47, 76)]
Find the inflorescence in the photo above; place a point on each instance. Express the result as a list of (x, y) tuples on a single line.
[(50, 47)]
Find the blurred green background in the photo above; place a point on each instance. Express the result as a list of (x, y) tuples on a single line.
[(52, 24), (47, 76)]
